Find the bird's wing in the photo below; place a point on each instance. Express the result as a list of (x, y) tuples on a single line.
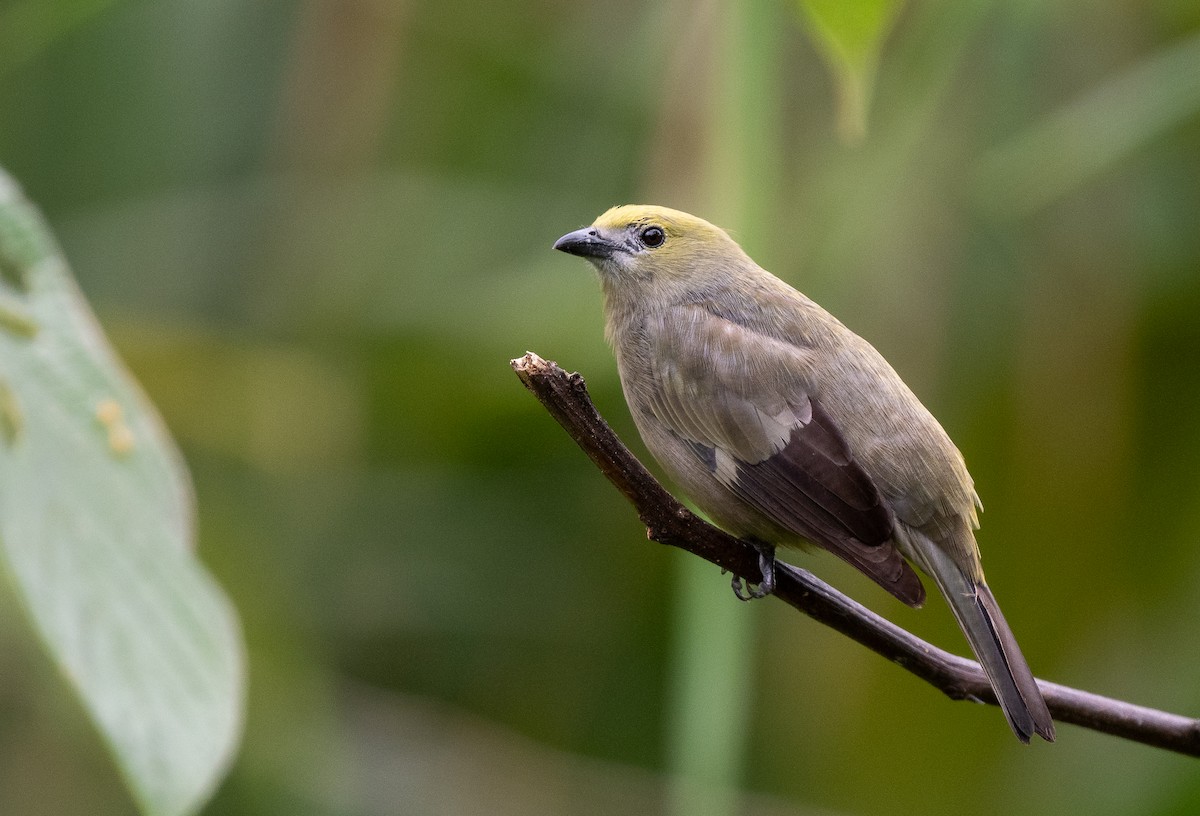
[(744, 404)]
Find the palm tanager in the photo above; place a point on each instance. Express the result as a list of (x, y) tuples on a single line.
[(787, 428)]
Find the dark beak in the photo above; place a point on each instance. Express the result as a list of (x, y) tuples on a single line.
[(586, 243)]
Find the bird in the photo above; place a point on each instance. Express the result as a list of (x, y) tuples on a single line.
[(788, 429)]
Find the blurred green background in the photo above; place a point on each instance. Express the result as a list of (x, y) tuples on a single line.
[(317, 231)]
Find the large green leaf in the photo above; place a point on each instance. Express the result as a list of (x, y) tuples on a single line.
[(96, 530), (850, 34)]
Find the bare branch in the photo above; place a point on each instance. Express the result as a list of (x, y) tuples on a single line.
[(667, 521)]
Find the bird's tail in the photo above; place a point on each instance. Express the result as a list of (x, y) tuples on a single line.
[(982, 622)]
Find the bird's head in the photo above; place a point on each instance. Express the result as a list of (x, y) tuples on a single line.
[(637, 245)]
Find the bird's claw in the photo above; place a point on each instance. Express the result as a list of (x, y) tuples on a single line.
[(744, 590)]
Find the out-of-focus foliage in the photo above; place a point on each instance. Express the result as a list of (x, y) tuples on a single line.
[(96, 527), (319, 230), (851, 35)]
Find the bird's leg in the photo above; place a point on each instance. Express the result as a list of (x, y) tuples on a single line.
[(766, 565)]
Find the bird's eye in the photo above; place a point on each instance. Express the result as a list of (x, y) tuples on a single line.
[(653, 237)]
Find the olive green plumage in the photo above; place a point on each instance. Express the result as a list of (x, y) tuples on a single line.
[(789, 429)]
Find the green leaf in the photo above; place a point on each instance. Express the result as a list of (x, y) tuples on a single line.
[(96, 531), (1092, 134), (850, 35)]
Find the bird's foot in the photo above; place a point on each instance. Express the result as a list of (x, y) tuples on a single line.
[(744, 590)]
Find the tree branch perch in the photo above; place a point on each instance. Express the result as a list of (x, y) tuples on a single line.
[(667, 521)]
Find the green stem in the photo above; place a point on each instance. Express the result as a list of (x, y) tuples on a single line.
[(714, 649)]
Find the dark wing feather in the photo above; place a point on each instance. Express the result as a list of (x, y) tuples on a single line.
[(739, 400), (814, 488)]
